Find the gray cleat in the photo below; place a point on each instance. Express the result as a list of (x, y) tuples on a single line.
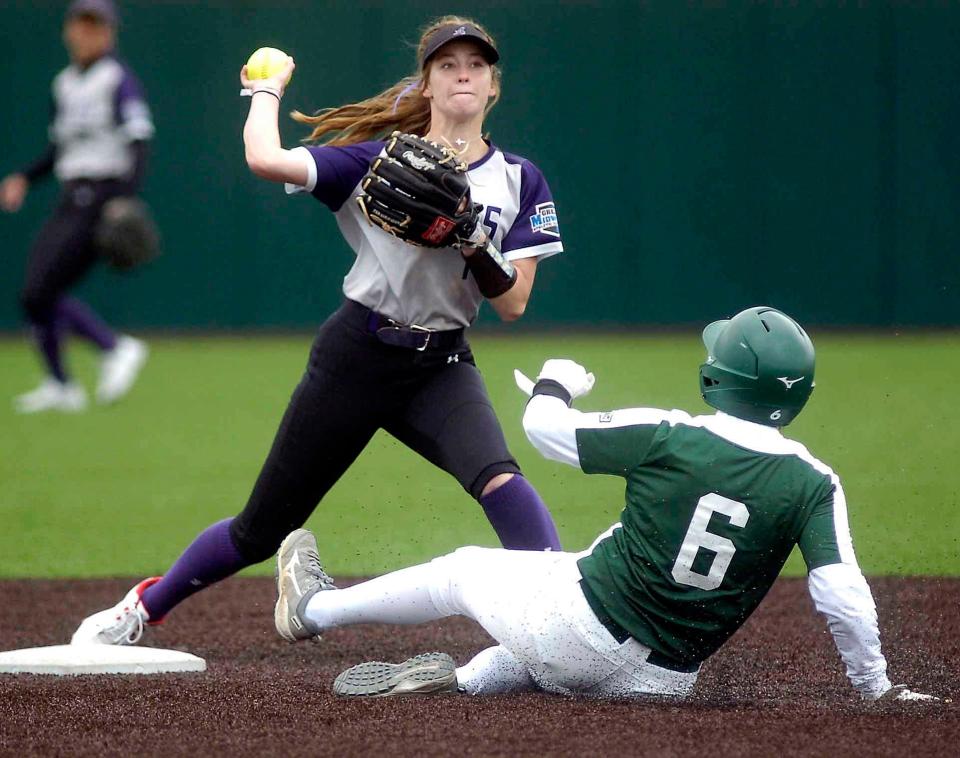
[(424, 674), (299, 578)]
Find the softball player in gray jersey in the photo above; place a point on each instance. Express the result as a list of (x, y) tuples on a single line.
[(714, 506), (395, 355), (99, 133)]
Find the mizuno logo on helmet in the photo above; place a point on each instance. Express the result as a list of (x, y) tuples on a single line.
[(788, 383)]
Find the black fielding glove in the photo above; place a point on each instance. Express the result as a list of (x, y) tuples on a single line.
[(419, 192), (126, 235)]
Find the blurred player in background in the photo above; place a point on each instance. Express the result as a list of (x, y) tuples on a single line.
[(395, 355), (714, 506), (99, 135)]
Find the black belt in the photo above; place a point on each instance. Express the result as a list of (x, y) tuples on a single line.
[(412, 336), (621, 635)]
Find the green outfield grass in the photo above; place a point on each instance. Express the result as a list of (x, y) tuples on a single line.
[(122, 490)]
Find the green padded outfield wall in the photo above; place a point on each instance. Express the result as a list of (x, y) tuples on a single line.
[(704, 156)]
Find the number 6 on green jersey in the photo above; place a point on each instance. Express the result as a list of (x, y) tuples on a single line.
[(698, 537)]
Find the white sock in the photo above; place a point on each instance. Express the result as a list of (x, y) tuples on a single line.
[(494, 671), (401, 597)]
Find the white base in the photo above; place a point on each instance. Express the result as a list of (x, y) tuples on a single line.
[(66, 660)]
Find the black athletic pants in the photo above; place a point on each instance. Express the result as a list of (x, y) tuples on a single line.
[(434, 401), (63, 251)]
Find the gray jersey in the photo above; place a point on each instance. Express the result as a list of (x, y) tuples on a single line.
[(423, 286), (98, 112)]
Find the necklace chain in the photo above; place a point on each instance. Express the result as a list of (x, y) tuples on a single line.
[(462, 145)]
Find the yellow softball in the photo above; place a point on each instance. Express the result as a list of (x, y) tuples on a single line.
[(266, 62)]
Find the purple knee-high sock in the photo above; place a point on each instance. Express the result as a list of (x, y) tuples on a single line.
[(212, 556), (49, 338), (519, 517), (81, 320)]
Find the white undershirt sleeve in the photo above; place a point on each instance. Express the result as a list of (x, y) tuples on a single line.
[(311, 164), (551, 428), (841, 594)]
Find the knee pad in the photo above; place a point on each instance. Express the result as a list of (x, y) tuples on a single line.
[(495, 469)]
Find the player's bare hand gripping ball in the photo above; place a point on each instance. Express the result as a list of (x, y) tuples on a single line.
[(267, 69), (268, 62)]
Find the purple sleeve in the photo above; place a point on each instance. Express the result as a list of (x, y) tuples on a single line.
[(536, 222), (340, 169), (130, 106), (129, 90)]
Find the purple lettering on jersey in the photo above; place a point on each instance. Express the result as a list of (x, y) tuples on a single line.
[(536, 222), (340, 169), (490, 222)]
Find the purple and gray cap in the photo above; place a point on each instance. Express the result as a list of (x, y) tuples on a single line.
[(454, 32), (104, 10)]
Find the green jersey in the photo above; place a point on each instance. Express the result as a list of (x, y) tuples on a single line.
[(714, 506)]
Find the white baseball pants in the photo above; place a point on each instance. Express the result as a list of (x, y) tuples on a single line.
[(530, 602)]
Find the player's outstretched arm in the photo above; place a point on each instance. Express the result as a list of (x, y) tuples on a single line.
[(551, 428), (261, 134), (610, 442), (549, 421), (841, 594)]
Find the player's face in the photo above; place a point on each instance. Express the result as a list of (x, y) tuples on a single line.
[(460, 81), (87, 38)]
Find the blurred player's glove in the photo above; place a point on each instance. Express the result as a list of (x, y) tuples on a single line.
[(126, 235), (419, 192), (575, 380), (900, 693)]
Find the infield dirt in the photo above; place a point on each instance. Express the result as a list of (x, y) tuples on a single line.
[(776, 689)]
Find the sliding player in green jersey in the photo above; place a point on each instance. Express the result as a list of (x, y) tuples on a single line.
[(714, 506)]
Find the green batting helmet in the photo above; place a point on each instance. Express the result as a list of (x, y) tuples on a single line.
[(759, 366)]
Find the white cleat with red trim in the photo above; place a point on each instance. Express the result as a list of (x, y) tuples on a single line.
[(121, 625)]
